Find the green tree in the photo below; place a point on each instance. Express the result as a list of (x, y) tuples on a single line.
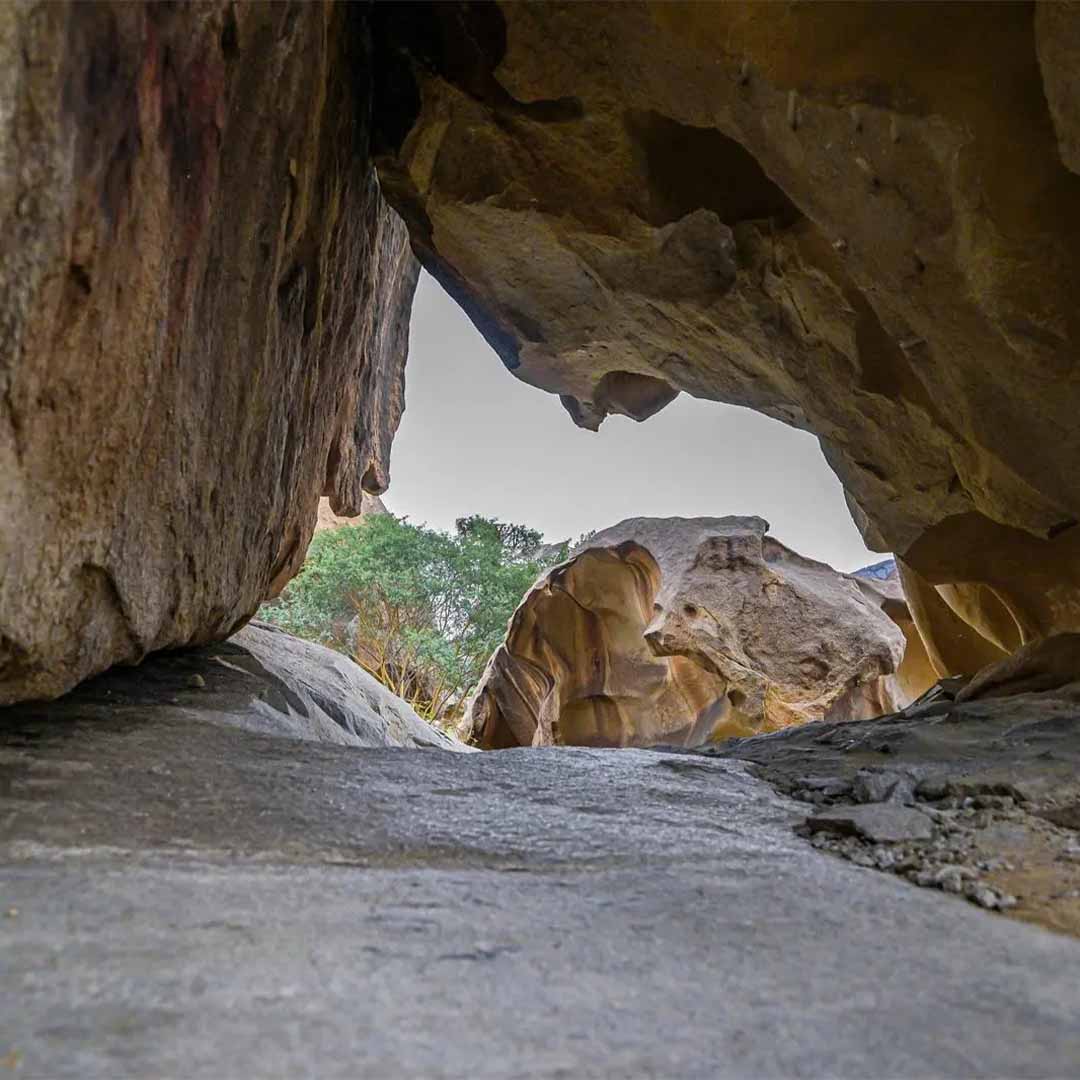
[(421, 610)]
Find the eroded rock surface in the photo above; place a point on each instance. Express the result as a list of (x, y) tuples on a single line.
[(995, 779), (916, 674), (189, 899), (203, 318), (861, 220), (327, 519), (261, 680), (681, 630)]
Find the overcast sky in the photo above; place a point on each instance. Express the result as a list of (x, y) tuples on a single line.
[(475, 440)]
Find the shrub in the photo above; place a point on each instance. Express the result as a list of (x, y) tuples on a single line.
[(421, 610)]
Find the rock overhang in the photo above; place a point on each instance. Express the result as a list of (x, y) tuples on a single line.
[(818, 214)]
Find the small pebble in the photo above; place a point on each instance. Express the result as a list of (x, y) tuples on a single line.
[(197, 681), (995, 802), (982, 895), (952, 878), (884, 859), (932, 788)]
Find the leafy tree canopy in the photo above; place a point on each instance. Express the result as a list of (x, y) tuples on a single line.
[(420, 609)]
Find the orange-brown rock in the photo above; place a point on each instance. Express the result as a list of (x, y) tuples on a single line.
[(916, 674), (203, 318), (861, 219), (1038, 667), (682, 630)]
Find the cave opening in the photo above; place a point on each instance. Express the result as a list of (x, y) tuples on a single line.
[(474, 439)]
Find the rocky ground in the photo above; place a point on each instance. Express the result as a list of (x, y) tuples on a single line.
[(190, 898), (980, 799)]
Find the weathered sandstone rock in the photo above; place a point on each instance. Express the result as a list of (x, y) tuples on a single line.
[(916, 674), (1057, 38), (861, 219), (327, 519), (681, 630), (203, 313), (1049, 665)]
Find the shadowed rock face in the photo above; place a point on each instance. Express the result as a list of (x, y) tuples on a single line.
[(861, 220), (203, 318), (682, 630), (260, 680)]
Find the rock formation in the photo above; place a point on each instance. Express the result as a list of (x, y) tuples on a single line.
[(861, 219), (261, 681), (916, 674), (203, 318), (682, 630), (299, 688), (992, 765), (327, 519)]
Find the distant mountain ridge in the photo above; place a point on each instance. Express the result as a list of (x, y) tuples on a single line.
[(879, 571)]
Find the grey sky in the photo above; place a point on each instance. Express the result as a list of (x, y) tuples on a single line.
[(475, 440)]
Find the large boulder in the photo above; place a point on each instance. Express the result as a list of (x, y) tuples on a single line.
[(203, 318), (261, 680), (861, 219), (682, 630)]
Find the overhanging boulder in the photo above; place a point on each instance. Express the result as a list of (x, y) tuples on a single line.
[(203, 318), (860, 219), (682, 630)]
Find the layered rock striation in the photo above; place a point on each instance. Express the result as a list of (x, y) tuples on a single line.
[(684, 630), (203, 318), (862, 220)]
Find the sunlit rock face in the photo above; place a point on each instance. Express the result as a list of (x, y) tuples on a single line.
[(861, 219), (682, 630), (916, 674), (203, 318), (326, 518)]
